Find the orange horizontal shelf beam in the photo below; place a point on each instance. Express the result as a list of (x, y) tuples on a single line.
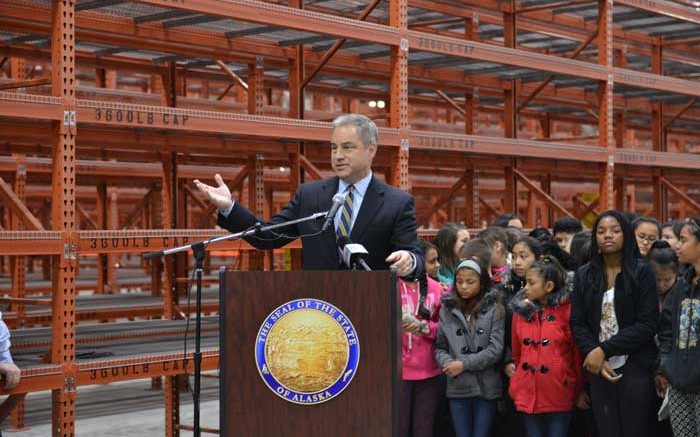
[(158, 117), (287, 17), (505, 147), (116, 241), (352, 29), (666, 8), (654, 81), (105, 371), (503, 55)]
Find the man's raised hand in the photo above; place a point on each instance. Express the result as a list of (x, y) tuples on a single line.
[(220, 195)]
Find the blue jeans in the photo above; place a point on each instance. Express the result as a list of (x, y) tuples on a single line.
[(547, 424), (472, 417)]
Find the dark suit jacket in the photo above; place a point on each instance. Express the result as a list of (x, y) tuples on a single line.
[(385, 223)]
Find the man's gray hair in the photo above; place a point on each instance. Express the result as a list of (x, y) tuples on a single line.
[(365, 127)]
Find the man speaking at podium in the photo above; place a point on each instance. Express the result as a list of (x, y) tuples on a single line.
[(378, 216)]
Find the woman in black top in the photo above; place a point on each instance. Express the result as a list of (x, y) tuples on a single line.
[(614, 316)]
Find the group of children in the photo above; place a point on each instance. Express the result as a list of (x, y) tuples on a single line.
[(574, 333)]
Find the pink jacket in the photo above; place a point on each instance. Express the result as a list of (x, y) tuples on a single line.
[(417, 350)]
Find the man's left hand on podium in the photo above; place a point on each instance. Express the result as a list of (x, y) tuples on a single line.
[(403, 261)]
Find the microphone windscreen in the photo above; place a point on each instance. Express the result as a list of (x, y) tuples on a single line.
[(338, 199)]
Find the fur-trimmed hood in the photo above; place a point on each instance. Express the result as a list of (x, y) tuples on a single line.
[(492, 297), (511, 283), (520, 305)]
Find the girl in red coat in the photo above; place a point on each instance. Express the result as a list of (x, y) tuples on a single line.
[(547, 379)]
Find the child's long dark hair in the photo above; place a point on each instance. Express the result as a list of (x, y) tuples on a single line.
[(550, 269), (628, 259), (423, 312), (581, 248), (445, 241), (485, 285)]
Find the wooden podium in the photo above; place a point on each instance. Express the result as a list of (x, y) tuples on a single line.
[(368, 405)]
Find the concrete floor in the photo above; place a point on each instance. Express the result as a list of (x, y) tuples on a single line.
[(119, 410)]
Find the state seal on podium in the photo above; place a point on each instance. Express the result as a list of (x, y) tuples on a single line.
[(307, 351)]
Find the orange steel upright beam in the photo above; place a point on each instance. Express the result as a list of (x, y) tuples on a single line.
[(172, 396), (256, 201), (510, 116), (398, 97), (682, 209), (471, 99), (169, 79), (471, 105), (294, 172), (547, 218), (605, 103), (296, 74), (19, 262), (620, 118), (296, 110), (294, 182), (112, 223), (18, 69), (19, 268), (256, 187), (660, 197), (510, 96), (101, 78), (531, 211), (658, 133), (620, 194), (510, 196), (105, 78), (182, 260), (256, 87), (101, 206), (156, 217), (105, 268), (169, 213), (471, 194), (63, 217)]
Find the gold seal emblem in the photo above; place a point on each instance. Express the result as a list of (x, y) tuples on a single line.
[(307, 351)]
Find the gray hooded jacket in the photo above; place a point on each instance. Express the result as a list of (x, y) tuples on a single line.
[(479, 345)]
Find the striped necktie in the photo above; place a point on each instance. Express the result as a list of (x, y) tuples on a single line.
[(343, 229)]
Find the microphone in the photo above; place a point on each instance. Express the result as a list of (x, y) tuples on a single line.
[(338, 201), (353, 254)]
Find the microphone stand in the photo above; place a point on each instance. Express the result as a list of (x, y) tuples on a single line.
[(199, 251)]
